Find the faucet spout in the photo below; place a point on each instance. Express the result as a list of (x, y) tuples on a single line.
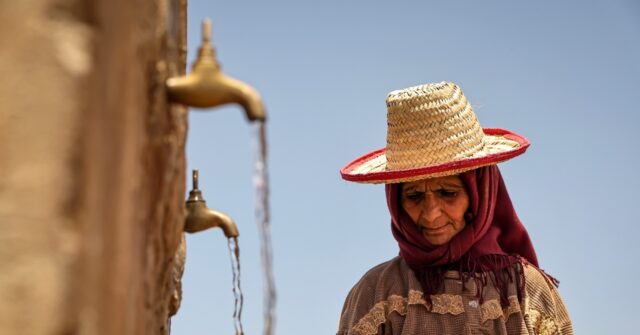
[(207, 86), (200, 218)]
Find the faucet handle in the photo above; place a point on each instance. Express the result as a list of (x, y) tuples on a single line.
[(194, 175), (195, 195), (206, 30)]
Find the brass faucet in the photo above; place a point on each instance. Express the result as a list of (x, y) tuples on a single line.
[(207, 86), (200, 218)]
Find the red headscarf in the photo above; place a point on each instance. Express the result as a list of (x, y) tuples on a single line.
[(493, 239)]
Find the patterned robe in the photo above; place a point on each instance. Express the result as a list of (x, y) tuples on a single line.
[(389, 300)]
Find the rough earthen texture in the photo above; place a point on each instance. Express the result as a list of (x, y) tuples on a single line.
[(91, 165)]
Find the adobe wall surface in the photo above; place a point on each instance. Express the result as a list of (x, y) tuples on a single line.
[(91, 165)]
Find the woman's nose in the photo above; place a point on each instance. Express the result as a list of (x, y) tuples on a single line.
[(431, 209)]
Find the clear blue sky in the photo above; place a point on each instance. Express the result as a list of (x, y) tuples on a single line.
[(563, 73)]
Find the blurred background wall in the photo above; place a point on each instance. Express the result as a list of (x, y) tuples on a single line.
[(91, 165)]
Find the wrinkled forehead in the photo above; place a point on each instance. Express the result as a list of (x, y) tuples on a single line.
[(447, 181)]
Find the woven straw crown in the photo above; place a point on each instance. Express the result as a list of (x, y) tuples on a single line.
[(430, 124), (432, 131)]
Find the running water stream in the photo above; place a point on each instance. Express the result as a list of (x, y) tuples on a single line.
[(261, 182), (234, 253)]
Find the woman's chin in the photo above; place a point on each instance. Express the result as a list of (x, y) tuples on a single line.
[(437, 239)]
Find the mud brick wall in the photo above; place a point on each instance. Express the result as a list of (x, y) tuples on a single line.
[(91, 165)]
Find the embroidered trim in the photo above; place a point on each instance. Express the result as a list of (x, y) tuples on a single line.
[(369, 324), (542, 323), (513, 308), (447, 303), (415, 298), (442, 304), (397, 304), (491, 310)]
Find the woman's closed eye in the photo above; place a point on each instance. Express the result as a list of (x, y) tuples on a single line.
[(414, 196), (445, 193)]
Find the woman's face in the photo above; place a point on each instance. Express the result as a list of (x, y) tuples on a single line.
[(437, 206)]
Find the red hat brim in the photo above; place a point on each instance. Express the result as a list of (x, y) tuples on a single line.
[(449, 168)]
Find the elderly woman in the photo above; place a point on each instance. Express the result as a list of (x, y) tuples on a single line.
[(466, 263)]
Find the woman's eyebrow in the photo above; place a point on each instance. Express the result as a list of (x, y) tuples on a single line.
[(452, 185), (410, 188)]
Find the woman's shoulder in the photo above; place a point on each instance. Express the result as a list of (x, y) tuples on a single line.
[(387, 280), (537, 282), (540, 290), (375, 279), (390, 268), (542, 302)]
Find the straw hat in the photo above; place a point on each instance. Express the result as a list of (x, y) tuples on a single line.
[(432, 132)]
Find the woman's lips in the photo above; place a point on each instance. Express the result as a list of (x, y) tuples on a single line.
[(435, 231)]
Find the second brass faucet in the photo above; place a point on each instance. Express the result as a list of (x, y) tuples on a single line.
[(199, 217)]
